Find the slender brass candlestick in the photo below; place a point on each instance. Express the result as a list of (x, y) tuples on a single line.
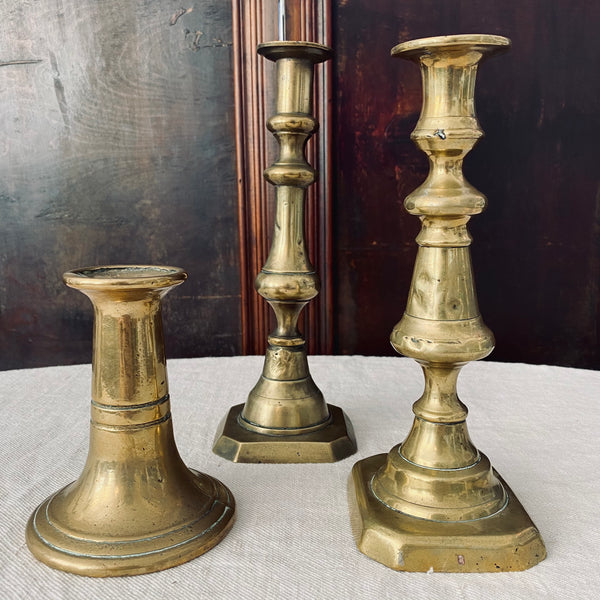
[(285, 418), (434, 501), (136, 508)]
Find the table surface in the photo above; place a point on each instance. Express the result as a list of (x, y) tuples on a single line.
[(292, 537)]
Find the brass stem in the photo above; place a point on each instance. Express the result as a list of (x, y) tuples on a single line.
[(285, 411), (442, 327), (286, 398), (434, 501)]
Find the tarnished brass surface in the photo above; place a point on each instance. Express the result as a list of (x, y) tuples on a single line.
[(504, 541), (434, 500), (285, 414), (136, 507), (325, 444)]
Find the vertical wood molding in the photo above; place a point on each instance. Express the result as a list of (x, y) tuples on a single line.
[(251, 25), (255, 21)]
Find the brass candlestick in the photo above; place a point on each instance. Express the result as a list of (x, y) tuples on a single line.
[(136, 508), (286, 419), (434, 501)]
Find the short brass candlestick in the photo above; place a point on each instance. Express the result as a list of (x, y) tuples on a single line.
[(434, 501), (286, 419), (136, 508)]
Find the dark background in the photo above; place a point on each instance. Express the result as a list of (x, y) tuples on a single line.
[(118, 146), (536, 249)]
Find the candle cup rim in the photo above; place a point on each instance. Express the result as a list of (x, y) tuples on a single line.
[(124, 276), (312, 51), (486, 43)]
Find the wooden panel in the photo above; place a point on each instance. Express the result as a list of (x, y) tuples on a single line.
[(254, 102), (116, 146), (311, 21), (537, 247), (256, 21)]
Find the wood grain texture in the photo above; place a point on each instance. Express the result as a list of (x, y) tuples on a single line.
[(116, 146), (254, 103), (311, 21), (537, 247)]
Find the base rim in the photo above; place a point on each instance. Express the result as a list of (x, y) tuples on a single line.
[(122, 559), (331, 443), (507, 541)]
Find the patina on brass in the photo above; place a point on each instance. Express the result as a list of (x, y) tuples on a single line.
[(434, 502), (136, 507), (286, 419)]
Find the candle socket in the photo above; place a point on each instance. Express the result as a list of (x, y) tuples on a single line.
[(285, 418), (434, 501)]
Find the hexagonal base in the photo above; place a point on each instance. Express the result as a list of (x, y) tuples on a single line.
[(330, 444), (506, 541)]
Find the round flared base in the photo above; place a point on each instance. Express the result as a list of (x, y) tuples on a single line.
[(53, 543)]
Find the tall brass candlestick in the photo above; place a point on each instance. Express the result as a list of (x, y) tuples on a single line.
[(136, 507), (434, 501), (285, 418)]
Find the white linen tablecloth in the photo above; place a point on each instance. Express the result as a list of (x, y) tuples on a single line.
[(292, 537)]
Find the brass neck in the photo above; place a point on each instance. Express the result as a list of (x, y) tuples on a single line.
[(446, 131), (129, 381)]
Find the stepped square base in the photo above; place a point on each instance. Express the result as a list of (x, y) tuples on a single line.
[(329, 444), (506, 541)]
